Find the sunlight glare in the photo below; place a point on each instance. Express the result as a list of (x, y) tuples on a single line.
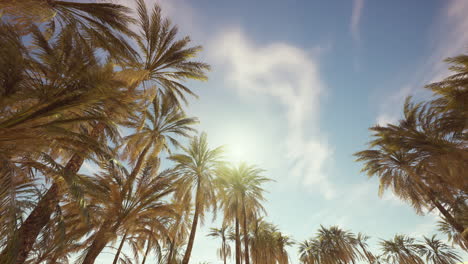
[(242, 145)]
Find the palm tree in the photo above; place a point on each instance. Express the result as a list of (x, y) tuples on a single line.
[(241, 197), (401, 250), (452, 96), (379, 259), (311, 252), (156, 128), (423, 157), (268, 244), (305, 252), (332, 245), (340, 245), (413, 158), (437, 252), (225, 251), (180, 228), (59, 92), (452, 234), (164, 60), (197, 167), (99, 23), (120, 207), (361, 240)]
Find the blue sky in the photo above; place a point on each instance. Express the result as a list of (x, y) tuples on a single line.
[(295, 86)]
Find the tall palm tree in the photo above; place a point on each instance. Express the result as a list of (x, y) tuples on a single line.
[(180, 228), (331, 245), (437, 252), (361, 240), (225, 251), (268, 244), (165, 61), (339, 244), (60, 91), (120, 208), (197, 167), (401, 250), (241, 198), (157, 127), (417, 160), (423, 158), (100, 24), (312, 251)]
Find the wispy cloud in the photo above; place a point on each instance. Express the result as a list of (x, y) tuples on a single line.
[(449, 39), (290, 77), (358, 5)]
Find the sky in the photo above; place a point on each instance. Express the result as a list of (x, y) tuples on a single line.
[(294, 87)]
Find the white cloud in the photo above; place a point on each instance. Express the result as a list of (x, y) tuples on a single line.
[(449, 39), (290, 77), (358, 5)]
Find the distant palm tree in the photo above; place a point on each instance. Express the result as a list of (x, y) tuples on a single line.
[(401, 250), (361, 240), (197, 167), (338, 244), (268, 244), (225, 251), (437, 252), (331, 246), (241, 196), (311, 252), (379, 259)]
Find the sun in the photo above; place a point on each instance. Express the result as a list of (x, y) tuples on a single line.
[(242, 144)]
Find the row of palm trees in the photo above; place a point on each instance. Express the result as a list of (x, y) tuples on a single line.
[(73, 75), (266, 243), (423, 158), (79, 87), (334, 245)]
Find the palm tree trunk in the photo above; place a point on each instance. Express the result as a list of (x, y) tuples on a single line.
[(224, 249), (450, 219), (246, 238), (117, 255), (430, 193), (98, 245), (40, 216), (137, 168), (238, 257), (188, 251), (171, 252), (100, 242), (148, 247), (17, 251)]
